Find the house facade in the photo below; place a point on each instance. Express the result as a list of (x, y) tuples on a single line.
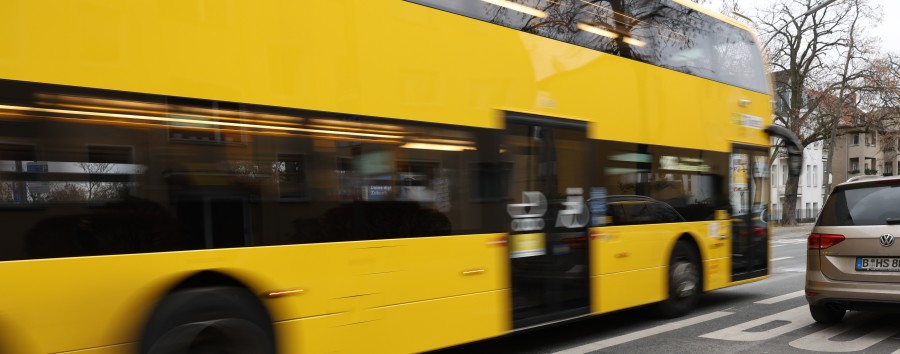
[(865, 151), (809, 189)]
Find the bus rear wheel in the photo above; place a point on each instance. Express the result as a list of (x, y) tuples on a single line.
[(209, 320), (684, 281)]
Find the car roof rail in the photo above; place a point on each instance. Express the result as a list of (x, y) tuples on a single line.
[(860, 178)]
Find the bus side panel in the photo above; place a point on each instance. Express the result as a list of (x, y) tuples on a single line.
[(747, 112), (716, 273), (629, 264), (433, 324), (345, 285), (416, 269), (321, 334), (629, 248), (414, 295), (717, 263), (622, 290), (441, 291), (111, 306), (617, 94), (673, 114)]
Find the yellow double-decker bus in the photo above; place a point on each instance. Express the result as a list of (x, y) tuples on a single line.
[(359, 176)]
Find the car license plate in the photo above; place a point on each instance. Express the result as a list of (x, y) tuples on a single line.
[(878, 264)]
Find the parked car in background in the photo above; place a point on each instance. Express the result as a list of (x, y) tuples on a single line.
[(637, 209)]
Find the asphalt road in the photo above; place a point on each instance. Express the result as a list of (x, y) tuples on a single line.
[(769, 316)]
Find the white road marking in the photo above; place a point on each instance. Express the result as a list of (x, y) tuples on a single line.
[(789, 241), (780, 259), (797, 318), (781, 298), (821, 340), (625, 338)]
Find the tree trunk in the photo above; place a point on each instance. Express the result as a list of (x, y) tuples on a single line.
[(789, 213), (826, 169)]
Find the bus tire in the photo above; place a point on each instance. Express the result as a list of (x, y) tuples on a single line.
[(209, 320), (684, 281)]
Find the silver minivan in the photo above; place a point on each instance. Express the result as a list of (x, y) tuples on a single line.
[(853, 258)]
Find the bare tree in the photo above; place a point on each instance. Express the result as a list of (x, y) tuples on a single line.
[(880, 90), (65, 192), (814, 55), (843, 87), (97, 189), (729, 8)]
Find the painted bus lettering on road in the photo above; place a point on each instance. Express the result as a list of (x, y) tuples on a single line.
[(822, 341), (796, 318)]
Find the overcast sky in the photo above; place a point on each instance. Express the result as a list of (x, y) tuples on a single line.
[(888, 30)]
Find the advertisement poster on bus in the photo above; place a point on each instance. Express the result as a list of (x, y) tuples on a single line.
[(740, 187)]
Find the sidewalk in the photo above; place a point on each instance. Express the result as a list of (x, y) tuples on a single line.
[(801, 230)]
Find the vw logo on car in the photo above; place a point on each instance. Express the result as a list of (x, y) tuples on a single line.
[(887, 240)]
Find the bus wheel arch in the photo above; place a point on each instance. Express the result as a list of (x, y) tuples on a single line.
[(684, 280), (208, 311)]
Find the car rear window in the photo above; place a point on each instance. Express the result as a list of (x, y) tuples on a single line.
[(869, 205)]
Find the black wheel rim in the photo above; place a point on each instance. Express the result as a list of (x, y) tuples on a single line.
[(684, 279)]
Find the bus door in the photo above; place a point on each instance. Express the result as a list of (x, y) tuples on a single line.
[(749, 197), (547, 219)]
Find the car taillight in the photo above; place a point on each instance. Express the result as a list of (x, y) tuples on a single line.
[(759, 232), (822, 241)]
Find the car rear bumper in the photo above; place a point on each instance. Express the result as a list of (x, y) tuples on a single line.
[(851, 295)]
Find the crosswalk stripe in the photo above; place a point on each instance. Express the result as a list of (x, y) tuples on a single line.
[(606, 343), (780, 298), (788, 242)]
